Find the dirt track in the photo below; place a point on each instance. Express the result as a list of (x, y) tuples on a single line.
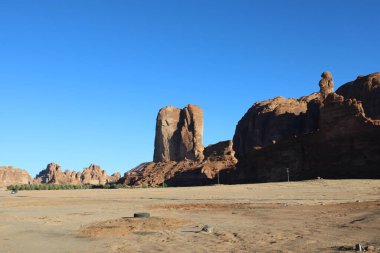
[(310, 216)]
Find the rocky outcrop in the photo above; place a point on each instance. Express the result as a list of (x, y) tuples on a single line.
[(343, 144), (114, 178), (274, 120), (179, 134), (219, 162), (183, 173), (179, 156), (10, 176), (221, 151), (53, 174), (94, 175), (367, 90)]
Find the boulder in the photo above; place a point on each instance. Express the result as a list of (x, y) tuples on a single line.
[(10, 176), (179, 134)]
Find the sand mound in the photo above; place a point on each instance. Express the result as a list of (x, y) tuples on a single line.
[(127, 225)]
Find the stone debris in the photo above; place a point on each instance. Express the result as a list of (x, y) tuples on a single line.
[(207, 229)]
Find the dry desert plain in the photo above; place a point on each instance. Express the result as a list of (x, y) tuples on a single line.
[(309, 216)]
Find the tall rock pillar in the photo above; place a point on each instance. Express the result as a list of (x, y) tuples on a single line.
[(179, 134)]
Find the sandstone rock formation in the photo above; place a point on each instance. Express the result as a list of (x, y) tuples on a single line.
[(94, 175), (179, 134), (179, 156), (274, 120), (183, 173), (343, 143), (221, 151), (326, 84), (367, 90), (10, 175), (114, 178), (53, 174), (219, 161)]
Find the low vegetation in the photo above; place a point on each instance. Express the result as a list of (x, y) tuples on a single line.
[(36, 187)]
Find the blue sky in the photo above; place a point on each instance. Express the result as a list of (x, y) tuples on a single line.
[(82, 81)]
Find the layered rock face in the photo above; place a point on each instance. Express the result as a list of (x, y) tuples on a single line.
[(179, 134), (343, 144), (53, 174), (10, 176), (274, 120)]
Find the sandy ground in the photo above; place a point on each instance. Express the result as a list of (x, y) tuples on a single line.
[(310, 216)]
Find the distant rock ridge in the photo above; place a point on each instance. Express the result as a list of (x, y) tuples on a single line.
[(179, 134), (53, 174), (11, 176)]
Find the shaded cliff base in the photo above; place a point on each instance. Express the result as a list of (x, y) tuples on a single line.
[(184, 173)]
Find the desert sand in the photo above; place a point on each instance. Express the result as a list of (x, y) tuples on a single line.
[(309, 216)]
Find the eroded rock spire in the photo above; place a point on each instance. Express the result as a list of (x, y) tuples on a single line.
[(326, 84)]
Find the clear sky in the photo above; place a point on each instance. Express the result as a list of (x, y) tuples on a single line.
[(82, 81)]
